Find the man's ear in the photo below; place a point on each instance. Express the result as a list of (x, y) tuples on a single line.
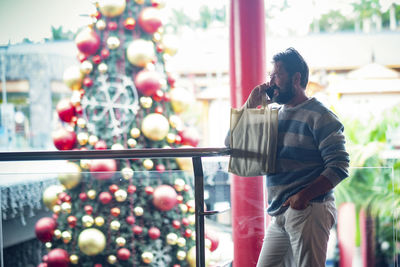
[(296, 78)]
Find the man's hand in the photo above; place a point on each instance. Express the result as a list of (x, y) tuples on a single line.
[(297, 201), (258, 96)]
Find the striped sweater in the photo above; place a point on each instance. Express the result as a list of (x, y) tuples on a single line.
[(310, 143)]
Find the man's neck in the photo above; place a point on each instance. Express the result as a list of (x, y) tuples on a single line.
[(297, 100)]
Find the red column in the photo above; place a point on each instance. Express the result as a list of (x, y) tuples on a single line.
[(247, 69)]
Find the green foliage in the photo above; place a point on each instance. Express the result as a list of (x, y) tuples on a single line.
[(334, 21)]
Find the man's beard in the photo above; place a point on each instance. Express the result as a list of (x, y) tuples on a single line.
[(284, 96)]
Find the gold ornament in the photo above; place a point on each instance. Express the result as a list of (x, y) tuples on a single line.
[(115, 225), (66, 207), (181, 255), (81, 123), (83, 138), (192, 219), (117, 146), (99, 221), (170, 44), (85, 163), (66, 237), (183, 208), (181, 242), (112, 259), (138, 211), (73, 77), (57, 233), (86, 67), (49, 245), (76, 98), (135, 133), (172, 238), (181, 99), (120, 195), (74, 259), (91, 194), (139, 2), (56, 209), (148, 164), (132, 142), (87, 221), (50, 195), (147, 257), (175, 122), (120, 241), (112, 8), (127, 173), (179, 184), (101, 25), (93, 140), (185, 164), (193, 236), (113, 42), (102, 67), (171, 138), (140, 52), (155, 127), (146, 102), (91, 241), (191, 257), (156, 37), (191, 205)]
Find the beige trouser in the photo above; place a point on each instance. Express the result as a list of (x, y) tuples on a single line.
[(298, 238)]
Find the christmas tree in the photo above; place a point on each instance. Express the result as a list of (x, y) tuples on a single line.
[(122, 212)]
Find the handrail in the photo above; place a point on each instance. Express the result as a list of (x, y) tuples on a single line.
[(195, 153)]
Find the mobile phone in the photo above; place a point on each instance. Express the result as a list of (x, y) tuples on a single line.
[(270, 91)]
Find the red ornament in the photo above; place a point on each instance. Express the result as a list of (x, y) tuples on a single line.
[(100, 145), (147, 82), (176, 265), (88, 82), (64, 139), (164, 197), (42, 265), (44, 229), (131, 189), (213, 237), (87, 41), (123, 254), (45, 258), (130, 220), (190, 136), (67, 198), (83, 196), (185, 221), (149, 19), (159, 110), (179, 198), (160, 167), (171, 79), (103, 169), (149, 190), (159, 48), (81, 57), (154, 233), (137, 230), (158, 95), (58, 258), (72, 221), (55, 216), (105, 198), (167, 97), (112, 26), (130, 23), (115, 212), (113, 188), (88, 209), (62, 195), (176, 224), (105, 53), (79, 110), (188, 233), (178, 139), (97, 15), (65, 110), (96, 59)]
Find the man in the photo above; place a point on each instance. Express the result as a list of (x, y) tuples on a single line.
[(311, 161)]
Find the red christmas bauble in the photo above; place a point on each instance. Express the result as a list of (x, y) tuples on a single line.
[(72, 221), (158, 95), (105, 198), (65, 110), (130, 220), (154, 233), (87, 41), (100, 145), (150, 19), (105, 53), (103, 169), (137, 230), (96, 59), (149, 190), (164, 197), (147, 82), (123, 254), (88, 209), (88, 82), (115, 212), (58, 258), (44, 229), (185, 221), (171, 79), (176, 224), (131, 189), (190, 136), (64, 139), (112, 26), (129, 24), (83, 196), (213, 237)]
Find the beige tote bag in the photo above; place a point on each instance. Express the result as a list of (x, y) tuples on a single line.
[(253, 134)]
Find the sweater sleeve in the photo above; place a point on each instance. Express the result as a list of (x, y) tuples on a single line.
[(331, 143)]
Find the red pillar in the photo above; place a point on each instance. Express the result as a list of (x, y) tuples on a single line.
[(247, 69)]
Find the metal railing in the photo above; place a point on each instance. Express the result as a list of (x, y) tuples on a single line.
[(195, 153)]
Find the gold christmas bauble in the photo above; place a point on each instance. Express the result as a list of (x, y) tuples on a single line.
[(179, 184), (113, 42), (181, 242), (72, 77), (56, 209), (192, 219), (117, 146), (147, 257), (183, 208), (120, 195), (101, 25), (181, 99), (112, 259), (135, 132), (91, 194), (171, 138), (115, 225), (170, 44), (139, 2), (102, 67), (181, 255), (86, 67), (87, 221), (155, 127), (172, 238), (99, 221), (81, 123), (146, 101), (140, 52), (74, 259), (57, 233), (191, 257), (66, 237), (91, 241), (148, 164), (191, 205), (83, 138), (66, 207), (76, 98), (84, 163), (120, 241), (112, 8), (93, 140), (185, 164), (138, 211), (50, 195), (127, 173), (175, 122), (132, 143), (48, 245)]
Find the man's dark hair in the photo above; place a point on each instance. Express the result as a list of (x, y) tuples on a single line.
[(293, 62)]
